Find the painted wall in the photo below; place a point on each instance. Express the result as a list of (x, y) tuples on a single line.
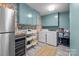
[(24, 10), (74, 29), (64, 20)]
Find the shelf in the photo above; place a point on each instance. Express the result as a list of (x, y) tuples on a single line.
[(28, 46), (31, 32), (20, 37), (29, 38), (21, 54), (28, 33), (34, 37), (19, 44), (22, 50), (20, 41), (34, 31), (34, 42)]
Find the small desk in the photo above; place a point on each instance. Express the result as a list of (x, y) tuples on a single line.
[(65, 40)]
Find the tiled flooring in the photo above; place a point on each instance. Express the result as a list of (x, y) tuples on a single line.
[(61, 50)]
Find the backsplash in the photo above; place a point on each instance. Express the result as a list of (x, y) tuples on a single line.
[(23, 26)]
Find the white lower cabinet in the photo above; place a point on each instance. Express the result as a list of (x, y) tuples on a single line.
[(52, 38), (49, 37), (42, 36)]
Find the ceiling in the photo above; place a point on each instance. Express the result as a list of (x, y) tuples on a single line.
[(42, 7)]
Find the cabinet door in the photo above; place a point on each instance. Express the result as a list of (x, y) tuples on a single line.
[(52, 38), (42, 37)]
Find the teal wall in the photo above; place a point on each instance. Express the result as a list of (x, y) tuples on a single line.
[(74, 29), (64, 20), (24, 10), (50, 20)]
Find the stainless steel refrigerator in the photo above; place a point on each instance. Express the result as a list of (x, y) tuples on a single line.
[(7, 29)]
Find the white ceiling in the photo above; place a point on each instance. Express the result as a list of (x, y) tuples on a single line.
[(42, 7)]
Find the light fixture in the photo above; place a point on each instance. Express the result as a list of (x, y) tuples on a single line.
[(29, 15), (51, 7)]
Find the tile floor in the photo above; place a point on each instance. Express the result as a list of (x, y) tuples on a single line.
[(61, 50)]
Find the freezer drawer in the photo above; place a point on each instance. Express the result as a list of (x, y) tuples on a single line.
[(7, 44), (7, 20)]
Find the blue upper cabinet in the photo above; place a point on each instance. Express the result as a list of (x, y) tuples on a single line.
[(50, 20), (61, 20), (64, 20), (35, 15), (28, 16), (24, 12)]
